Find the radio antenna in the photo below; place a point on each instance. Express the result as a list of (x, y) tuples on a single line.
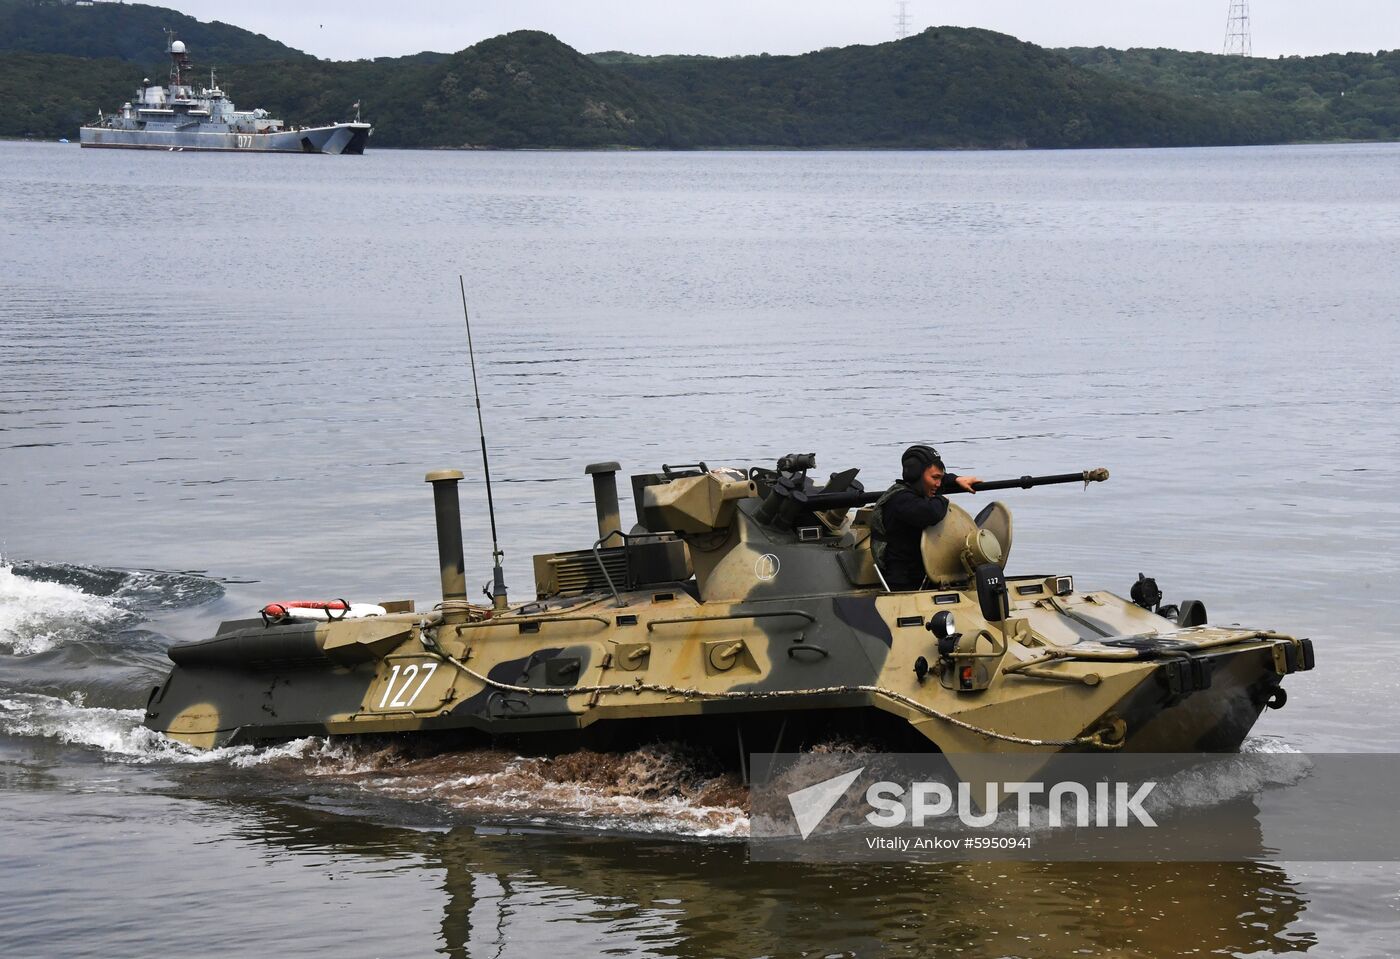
[(498, 576)]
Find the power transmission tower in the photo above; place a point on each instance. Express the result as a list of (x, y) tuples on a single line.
[(901, 19), (1237, 39)]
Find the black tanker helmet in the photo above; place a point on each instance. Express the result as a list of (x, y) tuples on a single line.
[(917, 459)]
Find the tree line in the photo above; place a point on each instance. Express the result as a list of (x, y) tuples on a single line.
[(943, 88)]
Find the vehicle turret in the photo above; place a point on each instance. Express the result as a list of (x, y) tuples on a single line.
[(696, 504)]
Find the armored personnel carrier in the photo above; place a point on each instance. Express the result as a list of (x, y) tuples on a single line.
[(743, 607)]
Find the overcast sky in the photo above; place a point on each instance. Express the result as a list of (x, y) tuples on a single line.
[(349, 29)]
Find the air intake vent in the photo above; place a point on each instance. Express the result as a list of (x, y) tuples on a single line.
[(575, 573), (630, 567)]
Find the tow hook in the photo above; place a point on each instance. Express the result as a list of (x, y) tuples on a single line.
[(1110, 735)]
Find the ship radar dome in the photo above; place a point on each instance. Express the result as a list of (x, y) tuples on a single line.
[(177, 47)]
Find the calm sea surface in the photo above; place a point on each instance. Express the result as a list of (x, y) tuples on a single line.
[(222, 379)]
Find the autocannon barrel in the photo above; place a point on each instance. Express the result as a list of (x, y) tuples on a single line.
[(846, 500), (1026, 482)]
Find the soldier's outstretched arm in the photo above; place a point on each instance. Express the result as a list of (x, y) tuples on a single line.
[(915, 512)]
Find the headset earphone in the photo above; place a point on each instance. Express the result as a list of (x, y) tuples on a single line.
[(917, 459)]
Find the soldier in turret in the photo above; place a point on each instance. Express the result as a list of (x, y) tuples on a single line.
[(913, 504)]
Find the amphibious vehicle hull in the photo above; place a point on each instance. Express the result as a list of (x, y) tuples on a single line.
[(338, 138), (515, 676)]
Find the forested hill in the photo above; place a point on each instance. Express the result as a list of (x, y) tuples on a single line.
[(946, 87), (126, 31), (1338, 95)]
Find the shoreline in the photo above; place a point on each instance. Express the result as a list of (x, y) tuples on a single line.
[(858, 148)]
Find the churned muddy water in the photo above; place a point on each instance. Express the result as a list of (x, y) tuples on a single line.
[(223, 378)]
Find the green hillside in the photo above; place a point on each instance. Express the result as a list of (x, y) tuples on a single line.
[(33, 105), (1351, 95), (126, 31), (944, 88), (948, 88)]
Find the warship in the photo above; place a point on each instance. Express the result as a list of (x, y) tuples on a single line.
[(175, 117), (743, 609)]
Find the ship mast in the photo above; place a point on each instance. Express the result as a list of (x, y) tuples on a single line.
[(179, 60)]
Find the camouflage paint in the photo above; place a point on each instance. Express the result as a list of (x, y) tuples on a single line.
[(777, 610)]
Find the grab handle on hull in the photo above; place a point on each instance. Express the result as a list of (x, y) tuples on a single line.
[(727, 616)]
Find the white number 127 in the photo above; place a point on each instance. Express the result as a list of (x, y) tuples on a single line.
[(410, 672)]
